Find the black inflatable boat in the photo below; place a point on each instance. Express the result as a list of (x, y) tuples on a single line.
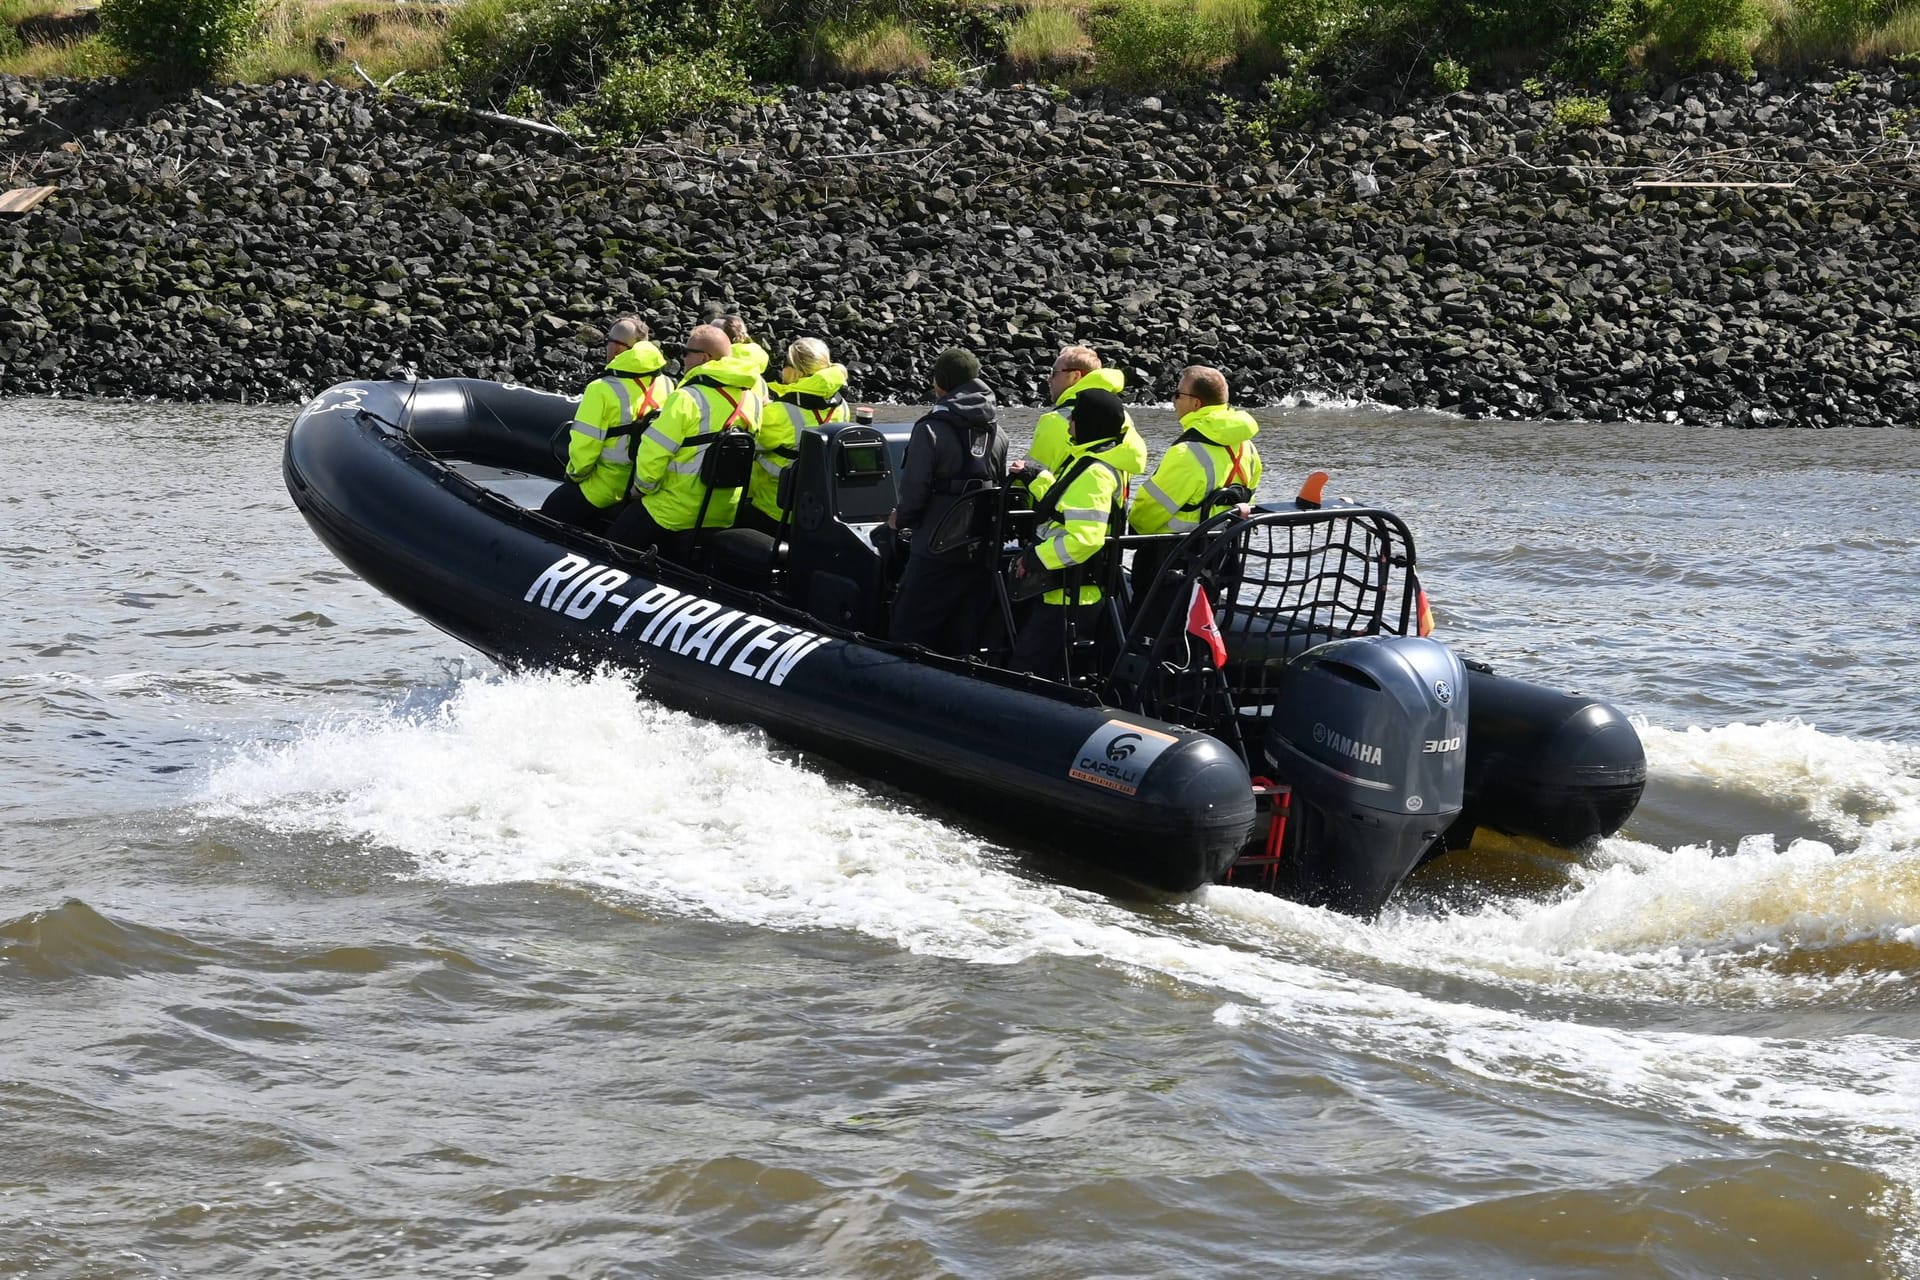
[(1332, 752)]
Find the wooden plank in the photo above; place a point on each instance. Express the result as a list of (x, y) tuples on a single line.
[(1765, 186), (24, 198)]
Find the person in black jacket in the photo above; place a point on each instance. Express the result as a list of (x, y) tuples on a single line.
[(957, 446)]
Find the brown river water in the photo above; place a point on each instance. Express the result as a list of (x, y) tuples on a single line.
[(327, 949)]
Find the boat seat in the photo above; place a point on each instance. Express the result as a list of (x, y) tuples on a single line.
[(744, 557), (1254, 640), (726, 464)]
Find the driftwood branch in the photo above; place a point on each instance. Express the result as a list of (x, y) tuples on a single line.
[(1765, 186), (493, 117)]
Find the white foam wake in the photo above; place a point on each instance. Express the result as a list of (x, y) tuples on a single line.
[(1866, 793), (1743, 919), (554, 778)]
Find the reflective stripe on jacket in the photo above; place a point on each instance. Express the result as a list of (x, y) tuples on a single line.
[(719, 395), (1078, 519), (777, 436), (598, 460), (1174, 500)]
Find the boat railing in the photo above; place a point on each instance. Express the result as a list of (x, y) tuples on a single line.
[(1273, 584)]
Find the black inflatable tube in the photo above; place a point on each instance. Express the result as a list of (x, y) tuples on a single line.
[(1547, 765), (1159, 804)]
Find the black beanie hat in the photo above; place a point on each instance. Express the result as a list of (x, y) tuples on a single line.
[(1097, 415)]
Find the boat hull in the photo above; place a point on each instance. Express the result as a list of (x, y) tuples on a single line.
[(1159, 804)]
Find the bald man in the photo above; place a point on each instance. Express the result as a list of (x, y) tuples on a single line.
[(1211, 467), (629, 391), (720, 391)]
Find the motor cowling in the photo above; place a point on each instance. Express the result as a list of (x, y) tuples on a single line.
[(1370, 733)]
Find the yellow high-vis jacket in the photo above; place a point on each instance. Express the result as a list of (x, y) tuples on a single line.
[(719, 395), (600, 448)]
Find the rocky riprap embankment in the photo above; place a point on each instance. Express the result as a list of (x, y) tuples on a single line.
[(260, 242)]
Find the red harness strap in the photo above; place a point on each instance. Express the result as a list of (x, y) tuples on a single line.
[(1235, 473), (647, 403), (732, 404)]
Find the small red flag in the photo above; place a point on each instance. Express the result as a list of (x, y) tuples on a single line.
[(1200, 623), (1426, 614)]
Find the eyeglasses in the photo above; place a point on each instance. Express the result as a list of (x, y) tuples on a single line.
[(1184, 392)]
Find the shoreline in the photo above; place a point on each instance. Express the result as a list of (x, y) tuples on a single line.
[(1467, 254)]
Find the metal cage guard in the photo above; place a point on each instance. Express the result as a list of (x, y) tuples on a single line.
[(1278, 583)]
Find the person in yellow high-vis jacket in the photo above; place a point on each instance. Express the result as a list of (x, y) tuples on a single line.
[(600, 437), (1077, 510), (719, 392), (808, 395), (1211, 467), (1075, 369), (735, 327)]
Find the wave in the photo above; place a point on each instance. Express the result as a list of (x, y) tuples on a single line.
[(74, 940), (570, 779)]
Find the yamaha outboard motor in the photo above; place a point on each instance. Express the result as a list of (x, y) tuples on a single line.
[(1371, 735)]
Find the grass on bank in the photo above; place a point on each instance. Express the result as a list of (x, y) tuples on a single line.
[(1048, 39), (13, 12), (1898, 36), (311, 39), (318, 41), (885, 50), (614, 69)]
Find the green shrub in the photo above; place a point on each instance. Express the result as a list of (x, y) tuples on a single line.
[(1294, 98), (10, 42), (1450, 76), (495, 46), (181, 40), (563, 48), (941, 73), (1160, 43), (1285, 102), (1307, 28), (1327, 48), (528, 103), (1581, 112), (1578, 39), (640, 95), (1598, 44), (1699, 33)]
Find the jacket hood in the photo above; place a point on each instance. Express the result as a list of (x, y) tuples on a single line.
[(971, 404), (753, 351), (1222, 424), (736, 370), (827, 381), (1099, 379), (641, 358), (1128, 453)]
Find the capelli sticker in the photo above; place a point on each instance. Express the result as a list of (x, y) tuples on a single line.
[(1118, 754)]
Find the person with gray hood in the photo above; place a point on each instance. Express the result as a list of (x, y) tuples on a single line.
[(956, 447)]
